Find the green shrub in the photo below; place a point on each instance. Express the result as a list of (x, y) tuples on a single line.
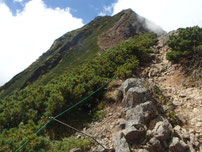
[(40, 102), (198, 49), (184, 43), (72, 142), (98, 115), (175, 56), (126, 70)]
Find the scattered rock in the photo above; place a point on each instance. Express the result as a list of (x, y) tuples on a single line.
[(143, 127)]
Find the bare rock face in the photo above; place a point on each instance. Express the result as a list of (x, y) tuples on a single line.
[(130, 24), (135, 96), (129, 83), (142, 113), (134, 93), (145, 128)]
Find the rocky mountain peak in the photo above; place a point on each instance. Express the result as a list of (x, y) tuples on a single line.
[(66, 52), (128, 11), (129, 24)]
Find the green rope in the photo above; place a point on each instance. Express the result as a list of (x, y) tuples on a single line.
[(43, 127), (83, 99), (65, 112), (35, 134)]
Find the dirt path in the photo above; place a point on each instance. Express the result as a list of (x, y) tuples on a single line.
[(171, 80)]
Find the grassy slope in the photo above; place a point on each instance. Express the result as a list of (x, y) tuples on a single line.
[(66, 53)]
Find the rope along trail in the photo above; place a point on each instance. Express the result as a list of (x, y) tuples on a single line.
[(75, 105)]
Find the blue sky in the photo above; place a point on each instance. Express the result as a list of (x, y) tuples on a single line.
[(85, 9), (29, 27)]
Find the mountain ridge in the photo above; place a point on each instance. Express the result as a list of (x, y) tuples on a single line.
[(73, 48)]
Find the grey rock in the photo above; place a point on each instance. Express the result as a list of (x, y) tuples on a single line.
[(134, 118), (76, 150), (178, 145), (162, 130), (120, 143), (129, 83), (142, 113), (135, 134), (135, 96), (154, 145)]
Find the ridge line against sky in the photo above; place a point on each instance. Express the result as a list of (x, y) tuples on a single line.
[(29, 27)]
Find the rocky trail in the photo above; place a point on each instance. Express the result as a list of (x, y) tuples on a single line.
[(186, 97), (139, 124)]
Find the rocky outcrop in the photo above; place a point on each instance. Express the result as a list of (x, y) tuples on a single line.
[(143, 127), (130, 24)]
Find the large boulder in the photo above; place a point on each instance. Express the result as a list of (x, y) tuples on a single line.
[(133, 92), (162, 130), (120, 143), (135, 96), (142, 113), (129, 83), (135, 134)]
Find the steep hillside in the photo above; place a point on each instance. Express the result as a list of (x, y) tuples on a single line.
[(75, 47), (27, 110)]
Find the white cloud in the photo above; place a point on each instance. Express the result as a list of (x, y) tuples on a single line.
[(107, 10), (169, 14), (24, 37)]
